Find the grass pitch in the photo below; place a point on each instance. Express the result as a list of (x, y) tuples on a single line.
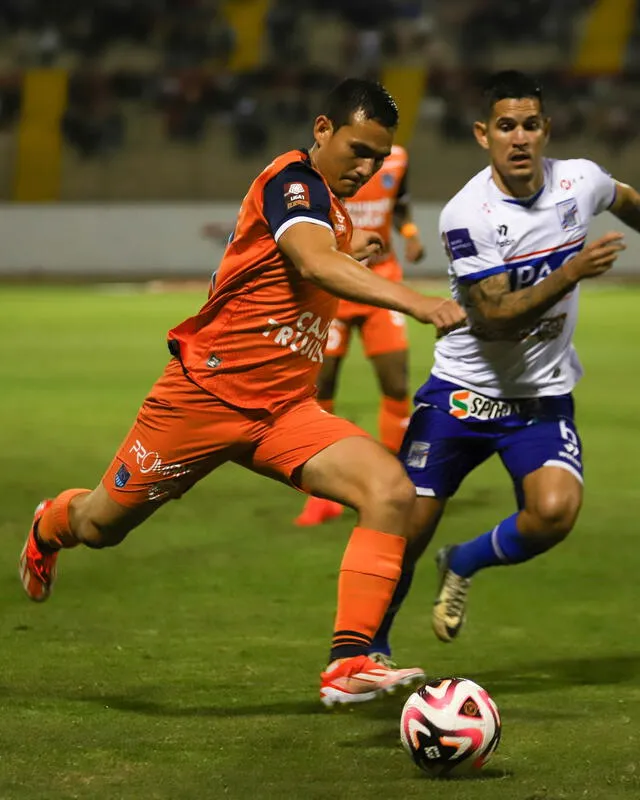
[(184, 663)]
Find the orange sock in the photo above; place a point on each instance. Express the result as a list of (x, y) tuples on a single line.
[(393, 419), (327, 405), (54, 529), (369, 572)]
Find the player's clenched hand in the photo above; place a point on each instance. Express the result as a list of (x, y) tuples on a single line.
[(365, 244), (445, 315), (596, 258)]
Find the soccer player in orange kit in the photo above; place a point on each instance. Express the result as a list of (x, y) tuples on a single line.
[(241, 382), (379, 205)]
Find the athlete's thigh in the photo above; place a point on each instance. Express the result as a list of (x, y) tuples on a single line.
[(180, 435), (352, 470), (549, 442), (293, 438), (439, 451), (392, 371), (383, 331)]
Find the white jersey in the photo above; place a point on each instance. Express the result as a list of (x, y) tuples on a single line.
[(486, 232)]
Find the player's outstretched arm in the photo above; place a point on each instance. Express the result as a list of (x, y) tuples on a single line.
[(626, 206), (500, 310), (312, 250)]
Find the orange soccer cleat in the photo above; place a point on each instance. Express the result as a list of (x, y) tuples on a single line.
[(37, 568), (317, 510), (358, 679)]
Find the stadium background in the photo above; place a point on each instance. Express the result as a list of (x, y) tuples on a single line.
[(184, 101), (184, 664)]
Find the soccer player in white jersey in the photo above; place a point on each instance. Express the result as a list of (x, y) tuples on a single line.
[(515, 237)]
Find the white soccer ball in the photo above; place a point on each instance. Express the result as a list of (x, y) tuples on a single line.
[(450, 727)]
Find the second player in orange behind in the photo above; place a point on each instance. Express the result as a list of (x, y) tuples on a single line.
[(380, 205)]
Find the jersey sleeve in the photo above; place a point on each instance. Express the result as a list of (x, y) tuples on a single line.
[(469, 245), (296, 194), (602, 186)]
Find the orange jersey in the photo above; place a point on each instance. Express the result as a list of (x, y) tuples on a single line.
[(258, 341), (372, 206)]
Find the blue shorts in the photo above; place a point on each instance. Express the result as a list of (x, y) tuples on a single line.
[(445, 441)]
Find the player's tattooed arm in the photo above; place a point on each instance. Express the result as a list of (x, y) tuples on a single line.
[(626, 206), (497, 312)]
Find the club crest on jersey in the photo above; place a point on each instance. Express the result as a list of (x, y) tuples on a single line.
[(568, 213), (122, 477), (296, 195), (464, 404), (418, 454), (388, 181)]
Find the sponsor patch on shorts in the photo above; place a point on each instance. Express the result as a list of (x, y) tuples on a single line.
[(122, 477), (418, 454), (296, 195), (464, 404)]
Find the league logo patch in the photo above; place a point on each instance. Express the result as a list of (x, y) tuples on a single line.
[(122, 477), (388, 181), (296, 195), (568, 214), (459, 244), (418, 454)]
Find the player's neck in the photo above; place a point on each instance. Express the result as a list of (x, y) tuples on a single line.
[(522, 189), (313, 156)]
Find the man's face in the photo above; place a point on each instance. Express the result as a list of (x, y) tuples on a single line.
[(515, 136), (350, 155)]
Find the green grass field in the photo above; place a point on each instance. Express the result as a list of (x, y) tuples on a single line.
[(184, 663)]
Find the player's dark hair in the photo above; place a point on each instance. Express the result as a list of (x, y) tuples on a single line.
[(510, 84), (356, 94)]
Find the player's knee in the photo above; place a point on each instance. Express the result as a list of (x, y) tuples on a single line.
[(392, 489), (556, 514)]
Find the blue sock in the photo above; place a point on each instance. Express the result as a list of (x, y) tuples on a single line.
[(380, 643), (503, 545)]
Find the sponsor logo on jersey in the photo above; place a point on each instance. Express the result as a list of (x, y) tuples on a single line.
[(568, 213), (296, 195), (503, 239), (340, 221), (307, 336), (122, 477), (459, 244), (465, 403), (418, 454)]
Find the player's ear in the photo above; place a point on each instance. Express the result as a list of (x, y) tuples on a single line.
[(322, 130), (480, 132)]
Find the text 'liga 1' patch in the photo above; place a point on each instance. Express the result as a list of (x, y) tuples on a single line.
[(296, 195)]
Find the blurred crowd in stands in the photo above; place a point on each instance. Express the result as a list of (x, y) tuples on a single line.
[(176, 57)]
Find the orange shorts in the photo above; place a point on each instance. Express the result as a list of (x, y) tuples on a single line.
[(182, 433), (382, 331)]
